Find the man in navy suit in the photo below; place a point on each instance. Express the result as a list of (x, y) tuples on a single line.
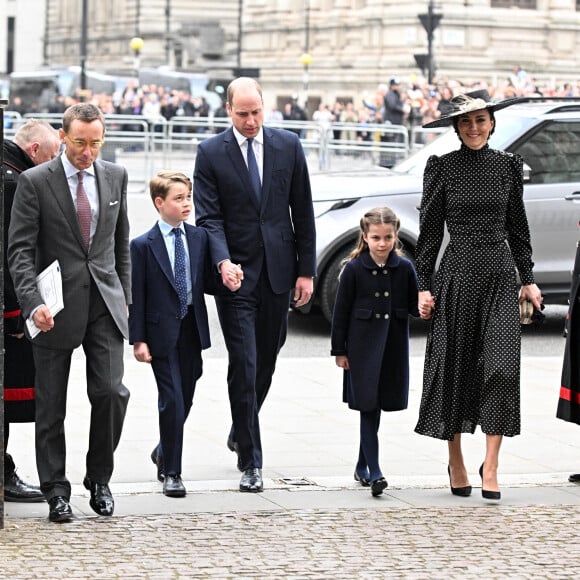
[(168, 324), (252, 194)]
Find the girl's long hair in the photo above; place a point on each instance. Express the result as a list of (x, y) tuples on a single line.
[(375, 216)]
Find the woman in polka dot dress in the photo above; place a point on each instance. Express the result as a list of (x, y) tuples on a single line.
[(472, 360)]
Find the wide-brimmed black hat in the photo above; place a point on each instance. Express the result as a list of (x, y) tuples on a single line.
[(467, 103)]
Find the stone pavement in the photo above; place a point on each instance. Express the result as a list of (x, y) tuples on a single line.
[(313, 520)]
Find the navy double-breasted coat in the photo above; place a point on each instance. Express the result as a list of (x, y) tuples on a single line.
[(370, 326)]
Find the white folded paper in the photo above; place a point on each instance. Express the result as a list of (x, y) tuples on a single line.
[(50, 287)]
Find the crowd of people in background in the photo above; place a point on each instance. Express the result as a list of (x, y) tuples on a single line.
[(411, 102)]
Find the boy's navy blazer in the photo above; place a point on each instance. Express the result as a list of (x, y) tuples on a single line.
[(154, 312)]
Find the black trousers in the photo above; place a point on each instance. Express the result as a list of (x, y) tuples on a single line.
[(176, 376), (103, 347), (254, 329)]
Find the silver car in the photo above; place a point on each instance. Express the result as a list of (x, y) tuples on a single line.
[(545, 134)]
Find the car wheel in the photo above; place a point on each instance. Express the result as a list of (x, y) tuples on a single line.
[(329, 283)]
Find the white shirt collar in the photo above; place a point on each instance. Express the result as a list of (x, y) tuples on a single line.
[(166, 229), (241, 139), (70, 169)]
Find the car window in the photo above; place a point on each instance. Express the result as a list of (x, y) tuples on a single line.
[(553, 152)]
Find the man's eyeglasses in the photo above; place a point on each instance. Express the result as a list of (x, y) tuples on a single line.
[(82, 144)]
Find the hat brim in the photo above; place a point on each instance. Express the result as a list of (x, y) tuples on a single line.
[(447, 120)]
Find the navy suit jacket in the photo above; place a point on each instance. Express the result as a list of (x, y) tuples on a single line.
[(280, 230), (154, 312)]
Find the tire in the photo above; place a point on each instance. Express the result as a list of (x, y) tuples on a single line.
[(329, 284)]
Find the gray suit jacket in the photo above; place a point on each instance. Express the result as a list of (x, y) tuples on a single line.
[(44, 227)]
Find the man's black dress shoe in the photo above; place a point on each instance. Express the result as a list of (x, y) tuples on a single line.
[(101, 497), (156, 460), (59, 509), (17, 490), (378, 486), (173, 486), (252, 480), (574, 478), (362, 479), (460, 491), (233, 447)]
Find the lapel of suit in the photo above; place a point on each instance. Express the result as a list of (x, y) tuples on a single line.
[(235, 154), (269, 157), (159, 250), (103, 184), (58, 185)]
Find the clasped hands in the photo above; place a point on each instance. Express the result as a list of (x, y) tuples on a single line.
[(232, 275), (426, 304)]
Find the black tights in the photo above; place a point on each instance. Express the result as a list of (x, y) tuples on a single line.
[(368, 456)]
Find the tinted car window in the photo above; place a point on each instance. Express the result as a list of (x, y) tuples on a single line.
[(553, 152)]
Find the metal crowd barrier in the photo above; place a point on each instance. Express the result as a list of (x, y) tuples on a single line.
[(146, 146)]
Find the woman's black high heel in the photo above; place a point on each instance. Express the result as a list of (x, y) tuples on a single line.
[(460, 491), (486, 493)]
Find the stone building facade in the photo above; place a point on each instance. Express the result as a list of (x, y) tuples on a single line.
[(353, 44)]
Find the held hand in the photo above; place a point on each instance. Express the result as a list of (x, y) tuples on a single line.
[(532, 293), (342, 362), (42, 318), (303, 290), (141, 352), (232, 275), (426, 304)]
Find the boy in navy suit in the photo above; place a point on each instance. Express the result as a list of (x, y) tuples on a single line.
[(168, 325)]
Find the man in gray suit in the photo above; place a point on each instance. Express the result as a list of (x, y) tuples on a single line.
[(74, 210)]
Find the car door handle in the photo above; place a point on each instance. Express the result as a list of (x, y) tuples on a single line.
[(573, 196)]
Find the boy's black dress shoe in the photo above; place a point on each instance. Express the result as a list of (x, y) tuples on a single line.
[(173, 486), (233, 447), (378, 486), (157, 462), (101, 500), (574, 478), (252, 480), (17, 490), (59, 509)]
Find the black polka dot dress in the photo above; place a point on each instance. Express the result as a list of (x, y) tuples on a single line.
[(472, 360)]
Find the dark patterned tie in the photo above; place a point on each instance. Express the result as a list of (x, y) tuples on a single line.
[(83, 210), (180, 272), (254, 172)]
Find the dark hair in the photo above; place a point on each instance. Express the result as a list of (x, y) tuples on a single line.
[(161, 183), (375, 216), (85, 112)]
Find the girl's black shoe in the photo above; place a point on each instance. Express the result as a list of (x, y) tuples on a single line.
[(378, 486), (486, 493), (363, 480), (460, 491)]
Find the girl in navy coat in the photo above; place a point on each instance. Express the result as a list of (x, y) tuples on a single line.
[(370, 333)]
